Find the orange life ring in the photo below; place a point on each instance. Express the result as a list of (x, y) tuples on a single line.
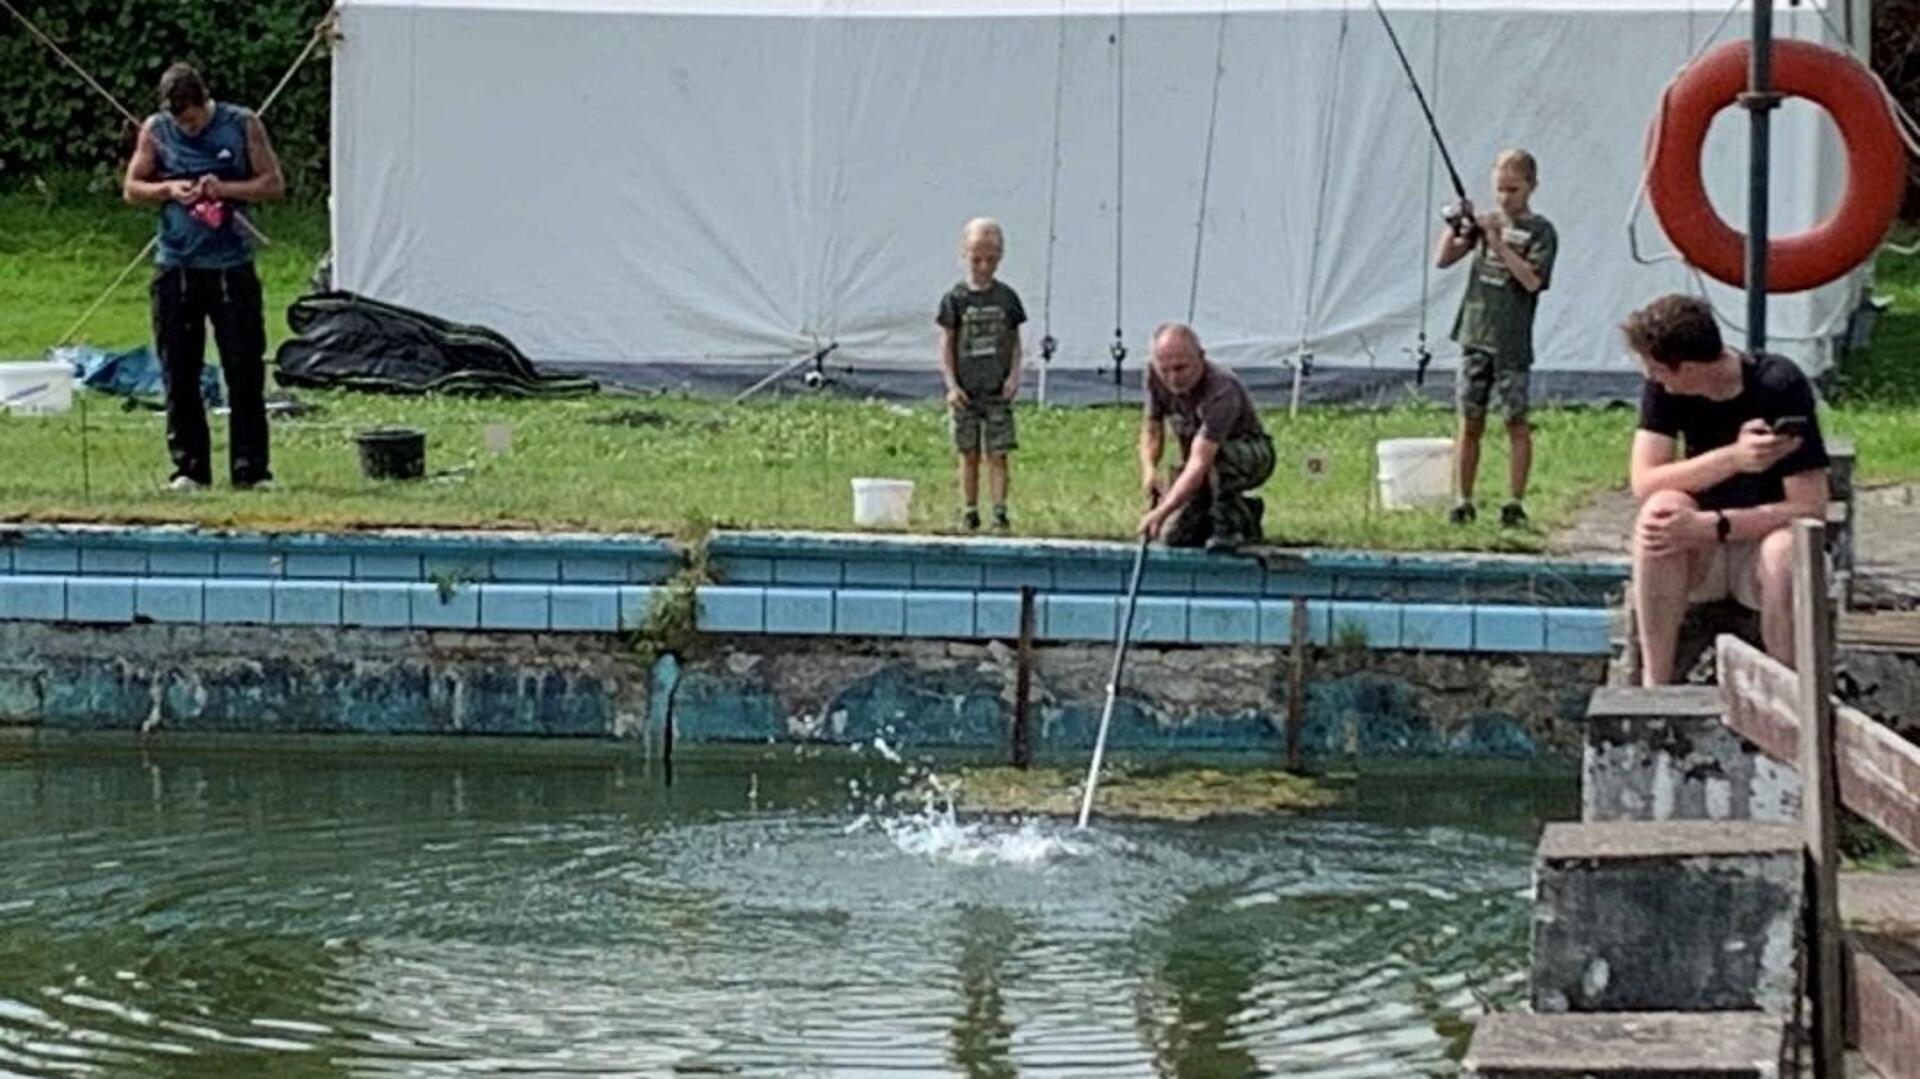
[(1876, 176)]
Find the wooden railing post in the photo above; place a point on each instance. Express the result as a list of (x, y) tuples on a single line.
[(1297, 684), (1813, 663)]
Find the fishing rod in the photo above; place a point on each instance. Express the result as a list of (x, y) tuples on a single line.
[(1456, 215)]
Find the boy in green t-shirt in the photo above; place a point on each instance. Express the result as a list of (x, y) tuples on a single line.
[(1514, 264), (980, 360)]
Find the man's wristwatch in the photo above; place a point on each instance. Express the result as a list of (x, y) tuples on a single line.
[(1722, 526)]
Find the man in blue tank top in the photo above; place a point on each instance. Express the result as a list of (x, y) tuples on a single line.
[(203, 163)]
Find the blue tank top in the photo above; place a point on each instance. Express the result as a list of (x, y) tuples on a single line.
[(220, 149)]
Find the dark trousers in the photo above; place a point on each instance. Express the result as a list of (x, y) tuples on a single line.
[(1224, 509), (184, 301)]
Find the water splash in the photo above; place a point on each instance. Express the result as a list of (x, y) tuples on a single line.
[(934, 831), (938, 835)]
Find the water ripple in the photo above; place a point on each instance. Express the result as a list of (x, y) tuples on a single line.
[(387, 921)]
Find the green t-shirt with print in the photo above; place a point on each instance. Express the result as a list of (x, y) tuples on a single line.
[(1496, 315), (985, 325)]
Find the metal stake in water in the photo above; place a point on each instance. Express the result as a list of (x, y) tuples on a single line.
[(1113, 682)]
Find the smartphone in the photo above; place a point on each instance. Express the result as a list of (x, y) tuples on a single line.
[(1792, 426)]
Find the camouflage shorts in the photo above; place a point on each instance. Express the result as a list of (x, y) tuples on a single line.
[(1484, 379), (983, 425)]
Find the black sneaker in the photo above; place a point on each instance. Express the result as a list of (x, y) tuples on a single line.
[(1462, 513), (970, 519), (1000, 522), (1512, 516)]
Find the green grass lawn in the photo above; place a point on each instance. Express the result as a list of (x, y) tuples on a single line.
[(1877, 396), (700, 462), (61, 247), (684, 464)]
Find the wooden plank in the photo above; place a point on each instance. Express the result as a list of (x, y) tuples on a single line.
[(1885, 902), (1883, 1009), (1605, 1044), (1023, 683), (1896, 630), (1653, 702), (1297, 684), (1820, 804), (1758, 695), (1840, 464), (1879, 775), (1879, 771)]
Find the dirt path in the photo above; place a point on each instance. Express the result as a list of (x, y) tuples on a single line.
[(1888, 543)]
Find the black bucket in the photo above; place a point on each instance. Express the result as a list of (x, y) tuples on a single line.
[(392, 453)]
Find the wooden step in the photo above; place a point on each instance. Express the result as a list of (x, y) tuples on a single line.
[(1897, 631), (1628, 1045), (1882, 913)]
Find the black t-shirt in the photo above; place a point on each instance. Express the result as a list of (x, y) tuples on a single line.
[(1771, 387)]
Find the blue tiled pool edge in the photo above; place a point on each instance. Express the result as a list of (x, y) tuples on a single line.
[(800, 584)]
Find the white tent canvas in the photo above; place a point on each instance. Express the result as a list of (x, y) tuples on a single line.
[(706, 184)]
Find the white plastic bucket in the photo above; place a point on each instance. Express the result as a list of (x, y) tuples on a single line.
[(1415, 472), (881, 503), (36, 388)]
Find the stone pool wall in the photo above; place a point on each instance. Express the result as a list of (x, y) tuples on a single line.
[(797, 637)]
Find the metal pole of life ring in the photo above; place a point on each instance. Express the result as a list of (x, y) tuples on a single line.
[(1759, 101)]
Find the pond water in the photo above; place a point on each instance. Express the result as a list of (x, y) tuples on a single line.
[(250, 909)]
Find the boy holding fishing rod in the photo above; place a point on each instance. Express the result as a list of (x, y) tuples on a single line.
[(1513, 265)]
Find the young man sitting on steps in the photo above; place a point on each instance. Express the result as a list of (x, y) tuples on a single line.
[(1715, 520)]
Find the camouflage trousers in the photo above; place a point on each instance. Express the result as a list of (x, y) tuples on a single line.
[(1485, 379), (1225, 509)]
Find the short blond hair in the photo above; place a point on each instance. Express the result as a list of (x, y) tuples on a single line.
[(982, 227), (1520, 163)]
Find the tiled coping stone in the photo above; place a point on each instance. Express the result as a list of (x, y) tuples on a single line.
[(800, 583)]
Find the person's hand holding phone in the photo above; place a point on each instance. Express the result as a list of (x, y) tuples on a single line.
[(1790, 426), (1759, 447)]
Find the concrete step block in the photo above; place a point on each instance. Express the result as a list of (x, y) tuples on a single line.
[(1666, 916), (1663, 753)]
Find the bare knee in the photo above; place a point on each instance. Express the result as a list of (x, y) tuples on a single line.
[(1659, 503), (1519, 430), (1472, 427), (1662, 502)]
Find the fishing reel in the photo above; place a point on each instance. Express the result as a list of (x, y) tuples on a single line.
[(1460, 220), (817, 379), (1117, 350), (1422, 359), (1048, 345)]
